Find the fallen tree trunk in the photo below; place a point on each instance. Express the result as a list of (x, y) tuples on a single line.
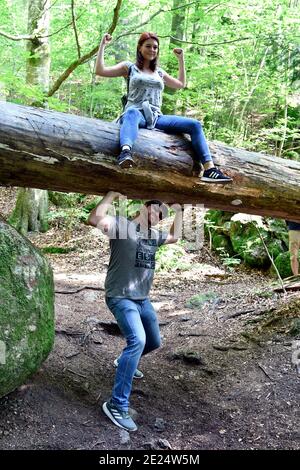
[(51, 150)]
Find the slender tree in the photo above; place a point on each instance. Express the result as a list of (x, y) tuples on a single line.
[(31, 209), (177, 33)]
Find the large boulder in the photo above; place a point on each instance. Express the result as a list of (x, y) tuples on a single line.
[(245, 234), (26, 309)]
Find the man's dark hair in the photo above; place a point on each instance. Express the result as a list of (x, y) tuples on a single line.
[(163, 209)]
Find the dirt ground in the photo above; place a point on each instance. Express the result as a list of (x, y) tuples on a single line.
[(218, 382)]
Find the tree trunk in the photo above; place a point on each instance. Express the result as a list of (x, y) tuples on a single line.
[(38, 62), (51, 150), (177, 31), (31, 209)]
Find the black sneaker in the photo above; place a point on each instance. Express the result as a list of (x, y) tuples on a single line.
[(125, 159), (214, 175), (118, 417)]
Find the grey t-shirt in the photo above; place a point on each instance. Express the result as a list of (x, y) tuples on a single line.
[(145, 93), (144, 87), (132, 259)]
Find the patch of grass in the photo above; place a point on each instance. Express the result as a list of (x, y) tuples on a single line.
[(198, 300), (295, 328), (268, 294), (56, 250)]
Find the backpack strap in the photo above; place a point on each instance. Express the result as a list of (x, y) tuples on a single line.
[(130, 68)]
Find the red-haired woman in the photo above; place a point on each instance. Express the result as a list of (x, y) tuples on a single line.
[(143, 107)]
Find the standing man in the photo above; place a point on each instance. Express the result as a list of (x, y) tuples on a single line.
[(294, 244), (133, 245)]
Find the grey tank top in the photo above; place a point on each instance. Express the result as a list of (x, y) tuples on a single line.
[(145, 93)]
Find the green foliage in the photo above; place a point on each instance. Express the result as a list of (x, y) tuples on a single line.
[(67, 219), (61, 199), (242, 64), (228, 261), (87, 208), (169, 258), (283, 264)]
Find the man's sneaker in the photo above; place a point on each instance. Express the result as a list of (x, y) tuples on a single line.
[(214, 175), (125, 159), (118, 417), (138, 373)]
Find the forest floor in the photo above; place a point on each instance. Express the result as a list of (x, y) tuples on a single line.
[(224, 377)]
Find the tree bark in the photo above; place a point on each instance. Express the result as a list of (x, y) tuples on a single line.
[(62, 152), (30, 212), (31, 209), (38, 62)]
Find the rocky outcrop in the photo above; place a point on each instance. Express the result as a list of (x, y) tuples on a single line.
[(238, 236)]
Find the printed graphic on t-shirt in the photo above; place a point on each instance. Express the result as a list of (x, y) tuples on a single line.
[(145, 254)]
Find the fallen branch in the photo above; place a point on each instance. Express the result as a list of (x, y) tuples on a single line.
[(239, 313), (76, 373), (79, 290), (69, 332), (264, 371)]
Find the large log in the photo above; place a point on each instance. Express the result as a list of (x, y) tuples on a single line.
[(51, 150)]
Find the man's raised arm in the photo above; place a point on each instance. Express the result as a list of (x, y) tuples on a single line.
[(176, 229), (99, 216)]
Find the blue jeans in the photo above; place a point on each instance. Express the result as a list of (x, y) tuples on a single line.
[(133, 119), (138, 323)]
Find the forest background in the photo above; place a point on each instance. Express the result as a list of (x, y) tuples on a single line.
[(242, 61)]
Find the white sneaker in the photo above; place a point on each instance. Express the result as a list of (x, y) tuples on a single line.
[(118, 417)]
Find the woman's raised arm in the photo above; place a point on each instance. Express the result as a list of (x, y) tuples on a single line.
[(118, 70), (179, 82)]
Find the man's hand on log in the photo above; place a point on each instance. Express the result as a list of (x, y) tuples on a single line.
[(114, 194)]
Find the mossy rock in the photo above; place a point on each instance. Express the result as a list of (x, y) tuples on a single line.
[(279, 230), (295, 328), (247, 243), (27, 309), (222, 244), (275, 247), (255, 255), (283, 264), (239, 236)]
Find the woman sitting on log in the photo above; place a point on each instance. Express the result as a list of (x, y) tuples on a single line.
[(142, 110)]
